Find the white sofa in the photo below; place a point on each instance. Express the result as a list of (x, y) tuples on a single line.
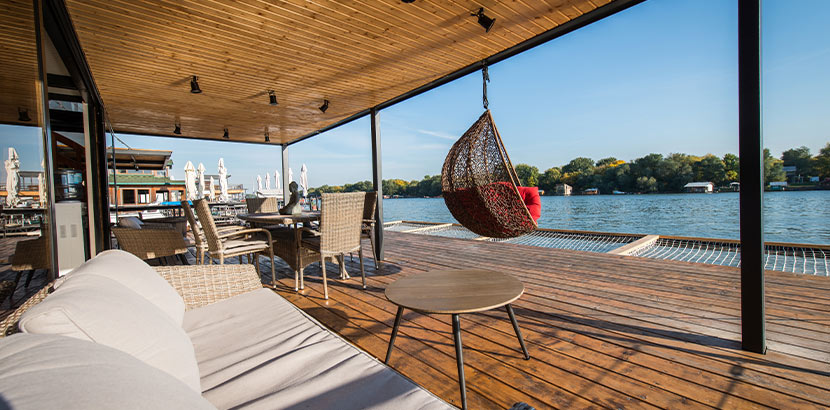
[(115, 334)]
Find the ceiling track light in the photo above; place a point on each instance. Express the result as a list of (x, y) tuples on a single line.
[(325, 106), (178, 129), (272, 97), (225, 135), (483, 20), (267, 136), (23, 114), (194, 85)]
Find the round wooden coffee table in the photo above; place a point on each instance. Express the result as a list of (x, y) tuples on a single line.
[(454, 292)]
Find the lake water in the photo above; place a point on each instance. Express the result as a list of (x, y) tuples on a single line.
[(794, 216)]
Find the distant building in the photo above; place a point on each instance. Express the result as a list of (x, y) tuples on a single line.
[(699, 187), (735, 186), (591, 191), (778, 186), (563, 190)]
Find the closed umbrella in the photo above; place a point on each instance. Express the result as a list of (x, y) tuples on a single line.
[(190, 181), (290, 175), (259, 183), (223, 182), (12, 178), (277, 180), (41, 186), (267, 181), (304, 179), (201, 171), (211, 193)]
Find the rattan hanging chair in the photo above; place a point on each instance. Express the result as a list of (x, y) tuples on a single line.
[(479, 184)]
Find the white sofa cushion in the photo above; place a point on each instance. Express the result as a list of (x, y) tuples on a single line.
[(288, 360), (132, 272), (130, 222), (50, 372), (101, 310)]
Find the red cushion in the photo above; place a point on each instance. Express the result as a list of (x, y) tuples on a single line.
[(530, 196)]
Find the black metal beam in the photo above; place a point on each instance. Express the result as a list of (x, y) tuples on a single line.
[(556, 32), (751, 153), (377, 183), (48, 153)]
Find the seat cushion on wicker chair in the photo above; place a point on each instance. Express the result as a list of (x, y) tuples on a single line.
[(241, 245), (530, 196), (49, 372), (132, 272), (130, 222), (289, 361), (98, 309)]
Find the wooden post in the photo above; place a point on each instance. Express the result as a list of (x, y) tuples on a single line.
[(751, 153), (377, 183), (286, 194)]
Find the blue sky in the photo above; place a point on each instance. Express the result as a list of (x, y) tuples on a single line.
[(658, 77)]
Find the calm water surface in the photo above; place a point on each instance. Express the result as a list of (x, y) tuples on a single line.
[(801, 217)]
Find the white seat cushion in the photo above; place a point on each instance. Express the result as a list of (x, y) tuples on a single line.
[(130, 222), (101, 310), (256, 350), (50, 372), (132, 272)]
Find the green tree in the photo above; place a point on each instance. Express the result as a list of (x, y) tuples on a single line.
[(800, 158), (710, 168), (528, 175), (773, 168), (821, 163), (732, 163), (606, 161), (549, 179), (646, 184), (579, 165), (647, 165)]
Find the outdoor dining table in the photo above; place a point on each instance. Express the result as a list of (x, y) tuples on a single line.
[(275, 218)]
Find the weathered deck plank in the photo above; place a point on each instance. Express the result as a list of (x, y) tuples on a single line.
[(602, 330)]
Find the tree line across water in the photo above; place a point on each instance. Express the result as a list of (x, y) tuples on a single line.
[(648, 174)]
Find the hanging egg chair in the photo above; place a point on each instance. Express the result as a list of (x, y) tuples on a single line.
[(480, 185)]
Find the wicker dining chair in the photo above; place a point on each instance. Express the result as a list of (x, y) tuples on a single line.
[(339, 232), (262, 205), (235, 243), (199, 236), (151, 242)]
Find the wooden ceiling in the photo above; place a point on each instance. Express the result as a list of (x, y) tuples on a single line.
[(18, 63), (356, 54)]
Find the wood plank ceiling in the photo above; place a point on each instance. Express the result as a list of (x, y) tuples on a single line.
[(356, 54), (18, 63)]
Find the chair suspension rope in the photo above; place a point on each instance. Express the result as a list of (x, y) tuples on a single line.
[(485, 78)]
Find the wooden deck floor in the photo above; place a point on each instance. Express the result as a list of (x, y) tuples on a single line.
[(603, 331)]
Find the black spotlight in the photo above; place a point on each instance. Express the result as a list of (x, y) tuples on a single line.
[(272, 97), (225, 135), (483, 20), (267, 136), (194, 85), (407, 1), (178, 129), (23, 115), (325, 106)]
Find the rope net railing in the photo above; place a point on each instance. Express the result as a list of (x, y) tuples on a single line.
[(571, 240), (795, 259)]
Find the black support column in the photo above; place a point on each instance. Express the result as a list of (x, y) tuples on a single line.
[(751, 154), (377, 182)]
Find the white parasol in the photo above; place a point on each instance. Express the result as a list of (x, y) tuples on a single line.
[(41, 186), (201, 171), (277, 181), (267, 181), (304, 180), (223, 182), (211, 193), (12, 178), (259, 183), (290, 175), (190, 181)]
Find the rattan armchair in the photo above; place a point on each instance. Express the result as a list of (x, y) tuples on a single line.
[(341, 218), (199, 236), (367, 230), (223, 245), (151, 241), (262, 205)]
